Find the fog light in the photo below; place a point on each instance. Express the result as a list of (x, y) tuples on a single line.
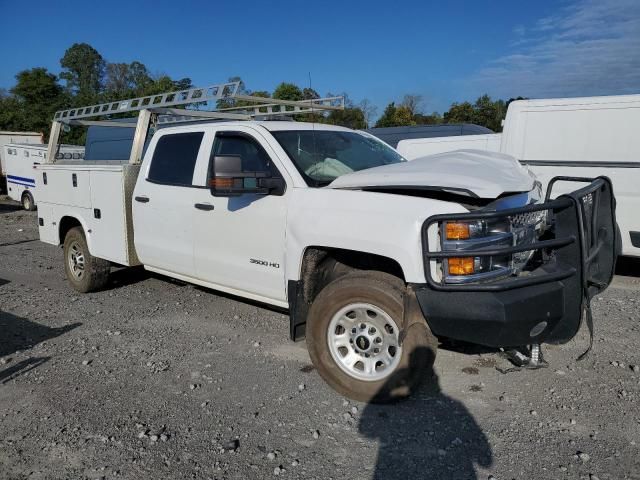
[(538, 329), (461, 265)]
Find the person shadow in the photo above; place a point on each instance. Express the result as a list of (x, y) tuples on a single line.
[(427, 436), (18, 334)]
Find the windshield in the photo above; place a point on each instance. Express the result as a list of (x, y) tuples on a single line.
[(321, 156)]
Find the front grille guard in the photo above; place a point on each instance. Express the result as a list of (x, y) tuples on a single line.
[(583, 223)]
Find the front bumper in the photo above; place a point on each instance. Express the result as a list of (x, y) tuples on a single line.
[(545, 304)]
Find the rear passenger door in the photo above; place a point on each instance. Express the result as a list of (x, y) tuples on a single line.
[(163, 202)]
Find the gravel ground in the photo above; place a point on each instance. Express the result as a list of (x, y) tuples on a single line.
[(152, 378)]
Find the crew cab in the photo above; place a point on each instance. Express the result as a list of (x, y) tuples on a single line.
[(374, 257)]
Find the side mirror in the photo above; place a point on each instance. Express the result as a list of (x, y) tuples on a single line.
[(228, 179)]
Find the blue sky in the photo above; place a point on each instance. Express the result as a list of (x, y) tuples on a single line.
[(379, 50)]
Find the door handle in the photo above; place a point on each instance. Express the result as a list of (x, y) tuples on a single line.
[(142, 199), (204, 206)]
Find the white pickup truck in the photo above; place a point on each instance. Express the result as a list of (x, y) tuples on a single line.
[(373, 256)]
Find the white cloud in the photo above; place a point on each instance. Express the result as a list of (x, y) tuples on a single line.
[(591, 47)]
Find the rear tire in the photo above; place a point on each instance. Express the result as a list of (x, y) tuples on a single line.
[(27, 202), (85, 272), (352, 332)]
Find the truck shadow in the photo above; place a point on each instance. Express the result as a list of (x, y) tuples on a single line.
[(628, 266), (6, 207), (428, 436), (127, 276), (17, 333)]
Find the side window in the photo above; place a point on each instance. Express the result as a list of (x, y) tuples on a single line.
[(174, 158), (254, 158)]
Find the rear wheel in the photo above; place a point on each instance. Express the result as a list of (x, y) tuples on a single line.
[(27, 202), (353, 337), (84, 271)]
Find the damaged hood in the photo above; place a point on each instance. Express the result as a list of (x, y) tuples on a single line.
[(472, 172)]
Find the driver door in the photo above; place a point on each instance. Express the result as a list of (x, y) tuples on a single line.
[(240, 242)]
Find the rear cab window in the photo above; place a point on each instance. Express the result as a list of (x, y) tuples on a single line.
[(174, 159)]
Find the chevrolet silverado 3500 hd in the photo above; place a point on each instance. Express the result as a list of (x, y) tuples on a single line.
[(375, 257)]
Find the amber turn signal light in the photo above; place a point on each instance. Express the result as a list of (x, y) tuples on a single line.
[(457, 231), (221, 182), (461, 266)]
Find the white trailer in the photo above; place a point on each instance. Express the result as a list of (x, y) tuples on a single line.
[(20, 160), (575, 137), (375, 257), (6, 137)]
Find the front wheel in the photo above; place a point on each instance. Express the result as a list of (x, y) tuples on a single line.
[(353, 337), (84, 271)]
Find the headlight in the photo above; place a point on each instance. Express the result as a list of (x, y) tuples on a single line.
[(477, 236)]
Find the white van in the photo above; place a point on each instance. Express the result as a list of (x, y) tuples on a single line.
[(412, 148), (575, 137), (19, 161), (14, 137)]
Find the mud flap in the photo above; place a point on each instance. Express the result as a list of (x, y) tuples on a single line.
[(412, 314)]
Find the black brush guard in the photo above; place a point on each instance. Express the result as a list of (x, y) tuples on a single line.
[(541, 305)]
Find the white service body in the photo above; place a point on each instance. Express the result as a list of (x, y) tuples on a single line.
[(98, 195), (19, 160), (576, 137)]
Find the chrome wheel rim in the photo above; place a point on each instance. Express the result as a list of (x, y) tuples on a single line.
[(364, 342), (27, 203), (76, 260)]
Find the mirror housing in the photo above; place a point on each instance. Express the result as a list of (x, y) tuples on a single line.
[(228, 179)]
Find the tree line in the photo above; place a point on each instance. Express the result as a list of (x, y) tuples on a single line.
[(87, 78)]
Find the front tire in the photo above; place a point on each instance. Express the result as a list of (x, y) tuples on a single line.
[(85, 272), (27, 202), (353, 338)]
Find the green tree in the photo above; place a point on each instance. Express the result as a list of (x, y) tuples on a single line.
[(396, 116), (460, 113), (485, 112), (84, 72), (12, 115), (388, 117), (350, 117), (288, 91), (404, 116), (490, 113), (428, 119), (118, 80), (139, 77), (309, 94), (37, 96)]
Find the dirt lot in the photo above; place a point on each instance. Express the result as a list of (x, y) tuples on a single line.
[(151, 378)]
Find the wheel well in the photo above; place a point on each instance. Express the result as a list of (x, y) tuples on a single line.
[(25, 193), (321, 266), (66, 224)]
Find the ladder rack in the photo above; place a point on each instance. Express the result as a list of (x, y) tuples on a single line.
[(162, 102), (160, 108)]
